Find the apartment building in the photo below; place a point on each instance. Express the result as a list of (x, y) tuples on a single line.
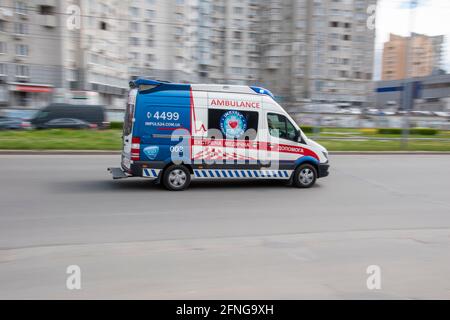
[(163, 39), (30, 55), (320, 50), (94, 45), (407, 57), (63, 51)]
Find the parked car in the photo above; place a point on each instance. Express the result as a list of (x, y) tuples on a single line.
[(67, 123), (88, 113), (13, 124)]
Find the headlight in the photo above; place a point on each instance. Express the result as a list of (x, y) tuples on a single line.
[(325, 154)]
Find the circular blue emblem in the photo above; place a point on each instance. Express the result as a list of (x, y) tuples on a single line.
[(233, 124)]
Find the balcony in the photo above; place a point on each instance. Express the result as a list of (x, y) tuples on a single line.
[(48, 3), (48, 21), (6, 14)]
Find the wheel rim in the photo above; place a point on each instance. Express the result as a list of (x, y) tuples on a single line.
[(177, 178), (306, 176)]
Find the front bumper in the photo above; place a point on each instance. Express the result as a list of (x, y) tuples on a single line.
[(323, 170)]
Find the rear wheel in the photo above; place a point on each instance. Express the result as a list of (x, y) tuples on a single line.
[(176, 178), (305, 176)]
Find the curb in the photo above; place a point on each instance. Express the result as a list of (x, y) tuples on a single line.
[(113, 152)]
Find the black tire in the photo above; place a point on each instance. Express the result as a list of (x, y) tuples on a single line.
[(305, 176), (176, 178)]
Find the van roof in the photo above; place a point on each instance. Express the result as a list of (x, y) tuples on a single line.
[(147, 84)]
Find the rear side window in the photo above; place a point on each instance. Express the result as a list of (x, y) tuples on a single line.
[(233, 124), (128, 121)]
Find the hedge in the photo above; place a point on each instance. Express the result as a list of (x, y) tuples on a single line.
[(424, 131), (418, 131), (116, 125), (310, 129)]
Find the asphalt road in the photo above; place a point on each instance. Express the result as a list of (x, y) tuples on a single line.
[(133, 239)]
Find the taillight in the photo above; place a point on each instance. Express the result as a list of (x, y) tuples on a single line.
[(135, 148)]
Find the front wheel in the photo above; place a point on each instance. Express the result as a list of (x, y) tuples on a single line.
[(305, 176), (176, 178)]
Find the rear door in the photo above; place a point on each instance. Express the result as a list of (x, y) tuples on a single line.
[(128, 129)]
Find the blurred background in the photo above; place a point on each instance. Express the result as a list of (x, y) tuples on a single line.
[(343, 64)]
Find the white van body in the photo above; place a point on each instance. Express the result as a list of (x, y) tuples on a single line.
[(175, 133)]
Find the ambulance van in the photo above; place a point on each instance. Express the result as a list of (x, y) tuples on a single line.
[(176, 133)]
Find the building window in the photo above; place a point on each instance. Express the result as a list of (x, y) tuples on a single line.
[(236, 70), (179, 31), (134, 12), (20, 28), (238, 10), (22, 70), (103, 25), (133, 41), (3, 69), (236, 46), (134, 26), (45, 10), (3, 47), (21, 7), (151, 14), (21, 50)]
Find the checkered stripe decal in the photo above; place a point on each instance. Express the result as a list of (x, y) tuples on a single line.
[(242, 174), (150, 173), (219, 154)]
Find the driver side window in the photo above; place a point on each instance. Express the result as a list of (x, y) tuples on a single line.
[(279, 126)]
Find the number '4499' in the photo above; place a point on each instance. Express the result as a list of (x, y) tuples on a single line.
[(166, 115)]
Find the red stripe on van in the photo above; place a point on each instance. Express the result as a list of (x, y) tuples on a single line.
[(246, 144)]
